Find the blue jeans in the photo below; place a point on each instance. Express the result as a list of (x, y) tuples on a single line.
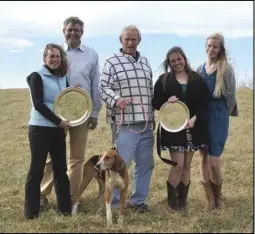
[(137, 147)]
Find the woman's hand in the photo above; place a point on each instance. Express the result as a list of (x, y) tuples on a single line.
[(172, 99), (191, 122), (65, 125)]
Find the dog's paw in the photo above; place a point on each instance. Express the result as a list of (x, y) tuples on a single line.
[(75, 209)]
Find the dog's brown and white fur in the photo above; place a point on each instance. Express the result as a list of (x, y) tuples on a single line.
[(110, 171)]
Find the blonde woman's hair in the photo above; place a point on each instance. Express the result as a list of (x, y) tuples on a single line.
[(221, 65)]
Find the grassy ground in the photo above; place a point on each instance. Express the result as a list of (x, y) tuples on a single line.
[(237, 168)]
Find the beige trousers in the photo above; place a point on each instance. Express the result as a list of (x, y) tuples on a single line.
[(78, 141)]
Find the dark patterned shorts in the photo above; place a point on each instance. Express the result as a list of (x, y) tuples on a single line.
[(188, 147)]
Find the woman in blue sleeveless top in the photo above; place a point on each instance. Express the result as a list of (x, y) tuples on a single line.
[(47, 132), (220, 79)]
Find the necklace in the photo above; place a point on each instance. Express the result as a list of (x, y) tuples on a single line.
[(182, 79)]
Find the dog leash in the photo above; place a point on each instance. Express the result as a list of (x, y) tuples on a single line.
[(167, 161), (121, 122), (146, 117)]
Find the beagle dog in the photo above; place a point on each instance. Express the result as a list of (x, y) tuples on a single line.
[(110, 171)]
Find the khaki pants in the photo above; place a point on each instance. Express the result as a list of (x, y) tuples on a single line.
[(78, 140)]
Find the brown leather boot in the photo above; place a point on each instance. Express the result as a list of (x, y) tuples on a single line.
[(209, 195), (172, 197), (217, 194), (183, 191)]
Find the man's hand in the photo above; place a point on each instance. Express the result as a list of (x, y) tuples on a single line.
[(122, 103), (92, 123)]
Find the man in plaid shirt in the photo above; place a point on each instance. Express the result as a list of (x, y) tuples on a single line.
[(127, 76)]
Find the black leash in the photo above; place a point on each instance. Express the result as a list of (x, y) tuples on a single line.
[(167, 161)]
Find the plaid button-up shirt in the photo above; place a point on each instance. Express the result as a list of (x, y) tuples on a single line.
[(123, 76)]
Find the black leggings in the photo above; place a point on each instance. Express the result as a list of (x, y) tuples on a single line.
[(44, 140)]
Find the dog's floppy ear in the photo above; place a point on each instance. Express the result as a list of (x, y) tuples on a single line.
[(119, 162), (94, 159)]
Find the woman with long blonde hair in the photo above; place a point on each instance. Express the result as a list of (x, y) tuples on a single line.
[(220, 78)]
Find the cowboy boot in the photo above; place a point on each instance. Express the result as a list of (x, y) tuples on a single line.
[(172, 196), (183, 191), (209, 195), (217, 194)]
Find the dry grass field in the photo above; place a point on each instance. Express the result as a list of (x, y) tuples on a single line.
[(237, 166)]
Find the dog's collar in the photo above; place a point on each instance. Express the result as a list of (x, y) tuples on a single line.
[(113, 168), (120, 171)]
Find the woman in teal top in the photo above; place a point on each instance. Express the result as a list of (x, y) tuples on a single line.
[(184, 88), (220, 80), (186, 85)]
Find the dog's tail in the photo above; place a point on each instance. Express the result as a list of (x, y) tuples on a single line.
[(100, 177), (101, 187), (89, 172)]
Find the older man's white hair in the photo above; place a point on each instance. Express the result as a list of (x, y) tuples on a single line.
[(131, 28)]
